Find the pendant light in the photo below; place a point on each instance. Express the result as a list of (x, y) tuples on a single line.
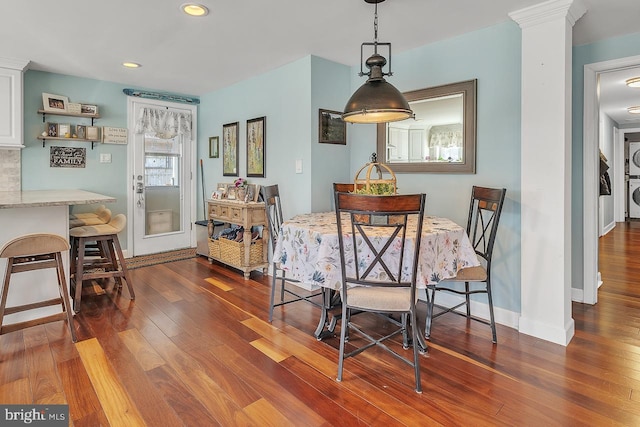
[(376, 101)]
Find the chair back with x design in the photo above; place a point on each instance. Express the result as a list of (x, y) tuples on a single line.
[(484, 216), (379, 253)]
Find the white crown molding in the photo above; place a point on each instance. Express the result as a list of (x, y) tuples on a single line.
[(14, 63), (549, 11)]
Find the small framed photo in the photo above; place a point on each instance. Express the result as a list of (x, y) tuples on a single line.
[(93, 133), (54, 103), (214, 147), (88, 109), (231, 191), (81, 131), (332, 129), (64, 130), (52, 130)]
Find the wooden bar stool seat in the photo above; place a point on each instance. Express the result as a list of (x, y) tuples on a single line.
[(35, 252), (107, 262)]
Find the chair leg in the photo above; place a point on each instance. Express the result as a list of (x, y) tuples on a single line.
[(64, 294), (493, 322), (416, 352), (273, 293), (430, 303), (466, 288), (79, 273), (123, 266), (5, 290), (343, 338)]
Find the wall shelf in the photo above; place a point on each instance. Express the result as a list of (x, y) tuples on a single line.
[(86, 116), (54, 138)]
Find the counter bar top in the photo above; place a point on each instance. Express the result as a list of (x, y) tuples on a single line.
[(41, 198)]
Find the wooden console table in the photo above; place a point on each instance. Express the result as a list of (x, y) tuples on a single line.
[(246, 215)]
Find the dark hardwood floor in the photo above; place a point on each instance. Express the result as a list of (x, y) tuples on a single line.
[(195, 349)]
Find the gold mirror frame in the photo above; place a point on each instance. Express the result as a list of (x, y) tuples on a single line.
[(467, 89)]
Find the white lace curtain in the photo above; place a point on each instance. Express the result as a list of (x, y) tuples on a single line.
[(164, 123)]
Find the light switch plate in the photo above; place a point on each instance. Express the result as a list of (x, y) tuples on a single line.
[(105, 157), (298, 165)]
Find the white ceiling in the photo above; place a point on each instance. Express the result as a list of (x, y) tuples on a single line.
[(240, 39)]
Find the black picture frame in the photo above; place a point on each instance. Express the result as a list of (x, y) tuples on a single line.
[(214, 147), (331, 128), (256, 143), (230, 149)]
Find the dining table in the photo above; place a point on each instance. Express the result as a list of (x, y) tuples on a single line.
[(308, 250)]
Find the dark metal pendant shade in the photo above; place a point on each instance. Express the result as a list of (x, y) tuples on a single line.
[(376, 101)]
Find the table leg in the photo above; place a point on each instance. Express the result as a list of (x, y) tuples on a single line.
[(330, 299)]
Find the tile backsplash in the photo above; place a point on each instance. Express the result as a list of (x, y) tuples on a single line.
[(9, 170)]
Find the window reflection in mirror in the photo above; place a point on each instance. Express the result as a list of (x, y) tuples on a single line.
[(440, 138)]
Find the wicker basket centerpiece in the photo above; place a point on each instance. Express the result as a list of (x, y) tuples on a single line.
[(381, 186)]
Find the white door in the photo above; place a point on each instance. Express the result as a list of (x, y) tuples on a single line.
[(162, 190)]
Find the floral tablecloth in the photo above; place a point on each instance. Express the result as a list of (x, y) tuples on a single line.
[(308, 250)]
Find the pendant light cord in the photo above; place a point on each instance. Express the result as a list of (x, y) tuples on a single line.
[(375, 29)]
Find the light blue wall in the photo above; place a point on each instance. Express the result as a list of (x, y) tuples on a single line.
[(103, 178), (330, 89), (282, 95), (492, 56), (606, 50)]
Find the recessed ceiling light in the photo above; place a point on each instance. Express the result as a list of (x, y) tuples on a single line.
[(194, 9), (633, 82), (634, 110), (131, 65)]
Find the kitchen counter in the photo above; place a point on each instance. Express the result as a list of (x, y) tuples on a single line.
[(38, 211), (42, 198)]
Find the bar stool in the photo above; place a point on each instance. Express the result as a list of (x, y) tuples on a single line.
[(100, 216), (35, 252), (109, 261)]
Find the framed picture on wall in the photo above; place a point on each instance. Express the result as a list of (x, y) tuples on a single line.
[(332, 129), (214, 148), (256, 138), (230, 149)]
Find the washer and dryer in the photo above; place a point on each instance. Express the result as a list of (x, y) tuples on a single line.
[(634, 180), (634, 198), (634, 159)]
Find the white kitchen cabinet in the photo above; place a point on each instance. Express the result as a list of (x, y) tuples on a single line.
[(11, 111)]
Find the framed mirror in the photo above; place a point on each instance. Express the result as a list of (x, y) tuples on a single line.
[(441, 137)]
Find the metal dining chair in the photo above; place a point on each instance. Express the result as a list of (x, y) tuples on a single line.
[(482, 227), (271, 196), (377, 277)]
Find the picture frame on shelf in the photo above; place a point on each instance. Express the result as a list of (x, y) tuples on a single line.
[(74, 108), (331, 128), (54, 103), (52, 130), (89, 109), (256, 139), (64, 130), (214, 147), (230, 149), (81, 131), (93, 133), (231, 191)]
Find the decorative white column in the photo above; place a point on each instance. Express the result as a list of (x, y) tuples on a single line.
[(546, 169)]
